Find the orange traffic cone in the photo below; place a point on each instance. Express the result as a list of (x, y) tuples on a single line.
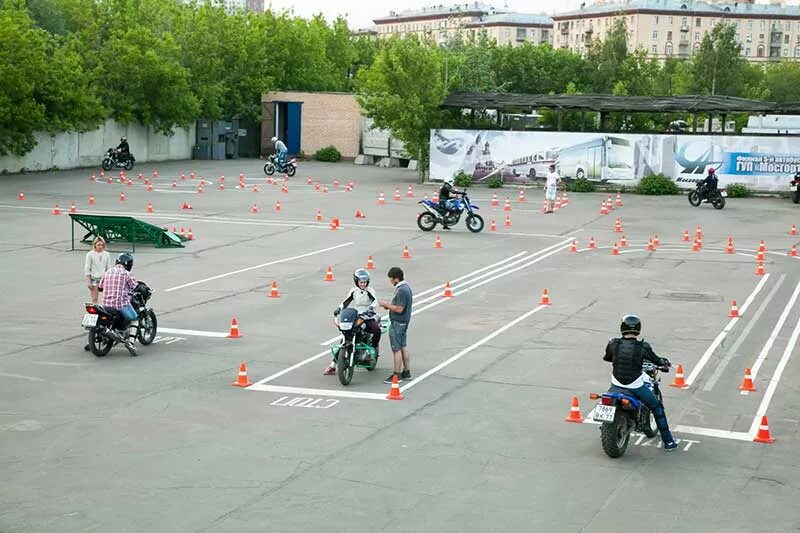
[(254, 209), (370, 264), (521, 198), (277, 205), (360, 214), (149, 207), (793, 251), (698, 232), (686, 235), (729, 249), (72, 208), (493, 226), (448, 292), (273, 291), (763, 432), (573, 248), (759, 256), (619, 200), (174, 184), (747, 383), (183, 232), (406, 254), (56, 210), (508, 221), (186, 205), (410, 193), (396, 194), (495, 201), (507, 205), (623, 242), (329, 274), (241, 379), (333, 225), (614, 249), (656, 241), (603, 208), (438, 242), (91, 200), (381, 199), (255, 188), (122, 197), (679, 382), (592, 244), (394, 392), (760, 269), (574, 412), (793, 230), (761, 247), (618, 226), (21, 196), (734, 310), (318, 218), (234, 333), (545, 298)]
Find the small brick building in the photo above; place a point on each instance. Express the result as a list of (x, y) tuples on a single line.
[(308, 121)]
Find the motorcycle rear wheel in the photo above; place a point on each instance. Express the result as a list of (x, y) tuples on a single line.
[(98, 344), (694, 198), (475, 223), (718, 202), (426, 221), (615, 436), (343, 367), (290, 170)]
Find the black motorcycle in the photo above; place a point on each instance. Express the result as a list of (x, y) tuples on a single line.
[(112, 160), (105, 325), (794, 186), (355, 348), (715, 197), (289, 167)]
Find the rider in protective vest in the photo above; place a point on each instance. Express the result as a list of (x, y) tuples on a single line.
[(361, 298), (627, 354), (446, 192)]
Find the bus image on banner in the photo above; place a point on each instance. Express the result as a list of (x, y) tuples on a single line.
[(601, 159), (534, 165)]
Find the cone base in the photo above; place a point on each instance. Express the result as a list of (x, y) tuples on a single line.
[(747, 388), (398, 397), (231, 336), (679, 386), (237, 384), (576, 420), (765, 440)]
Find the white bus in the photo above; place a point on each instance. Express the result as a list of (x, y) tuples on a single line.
[(534, 165), (601, 159)]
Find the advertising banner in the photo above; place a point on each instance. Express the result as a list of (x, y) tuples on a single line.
[(760, 163)]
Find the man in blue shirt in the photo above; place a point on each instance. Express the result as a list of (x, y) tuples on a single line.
[(399, 318), (281, 150)]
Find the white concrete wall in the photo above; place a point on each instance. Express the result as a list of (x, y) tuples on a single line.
[(74, 150)]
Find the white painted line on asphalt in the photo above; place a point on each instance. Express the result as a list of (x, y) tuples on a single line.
[(174, 339), (58, 363), (468, 349), (20, 376), (776, 377), (284, 260), (774, 335), (317, 392), (723, 364), (722, 334), (193, 332), (710, 432)]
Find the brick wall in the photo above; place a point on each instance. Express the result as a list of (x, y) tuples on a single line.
[(326, 119)]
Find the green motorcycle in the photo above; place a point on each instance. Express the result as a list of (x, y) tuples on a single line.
[(355, 348)]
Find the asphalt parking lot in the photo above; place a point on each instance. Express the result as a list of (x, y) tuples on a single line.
[(163, 442)]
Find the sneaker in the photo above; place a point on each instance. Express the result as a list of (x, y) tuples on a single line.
[(671, 445), (131, 349), (331, 370), (389, 379), (87, 348), (405, 375), (446, 227)]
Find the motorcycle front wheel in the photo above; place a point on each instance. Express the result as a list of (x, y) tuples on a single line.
[(107, 164), (98, 344), (343, 367), (147, 328), (426, 221), (694, 198), (269, 169), (290, 170), (475, 223), (615, 436), (718, 202)]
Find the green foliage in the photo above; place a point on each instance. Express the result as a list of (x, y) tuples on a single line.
[(329, 153), (718, 67), (738, 190), (462, 179), (657, 184), (495, 182), (581, 185)]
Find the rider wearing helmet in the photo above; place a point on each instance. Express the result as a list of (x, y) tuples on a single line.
[(281, 150), (123, 150), (446, 192), (627, 354), (709, 184), (117, 284), (361, 297)]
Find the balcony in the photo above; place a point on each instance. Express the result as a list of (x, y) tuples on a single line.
[(684, 29)]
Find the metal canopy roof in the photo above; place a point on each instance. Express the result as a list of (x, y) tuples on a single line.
[(607, 103)]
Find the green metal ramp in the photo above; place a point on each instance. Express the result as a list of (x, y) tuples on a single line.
[(128, 229)]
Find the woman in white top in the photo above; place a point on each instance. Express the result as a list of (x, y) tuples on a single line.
[(97, 262)]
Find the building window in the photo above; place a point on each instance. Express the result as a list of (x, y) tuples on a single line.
[(655, 35), (749, 24), (749, 37), (760, 51), (760, 36), (697, 22), (696, 47), (522, 34), (763, 25), (785, 52), (797, 51), (668, 49), (786, 39), (669, 35), (508, 34), (656, 19), (654, 49), (670, 21), (697, 36), (747, 51)]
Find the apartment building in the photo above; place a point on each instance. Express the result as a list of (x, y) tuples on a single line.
[(675, 28), (470, 19)]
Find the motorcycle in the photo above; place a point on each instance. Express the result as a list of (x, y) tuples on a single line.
[(289, 167), (111, 160), (105, 325), (433, 214), (715, 197), (355, 348), (794, 186), (621, 412)]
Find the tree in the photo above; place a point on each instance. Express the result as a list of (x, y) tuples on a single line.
[(718, 67), (402, 91), (782, 79), (607, 56)]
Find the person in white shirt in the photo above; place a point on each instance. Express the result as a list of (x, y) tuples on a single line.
[(551, 188), (362, 297), (96, 264)]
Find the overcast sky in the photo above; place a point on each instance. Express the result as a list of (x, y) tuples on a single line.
[(359, 13)]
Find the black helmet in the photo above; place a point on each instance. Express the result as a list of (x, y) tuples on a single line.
[(360, 275), (630, 324), (125, 259)]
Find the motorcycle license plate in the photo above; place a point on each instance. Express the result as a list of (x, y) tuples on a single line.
[(604, 413), (793, 187), (724, 194), (89, 320)]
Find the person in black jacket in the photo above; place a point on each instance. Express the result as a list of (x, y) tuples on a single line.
[(446, 193), (123, 150), (709, 184), (627, 354)]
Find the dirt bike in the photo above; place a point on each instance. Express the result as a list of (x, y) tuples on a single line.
[(434, 214), (355, 348)]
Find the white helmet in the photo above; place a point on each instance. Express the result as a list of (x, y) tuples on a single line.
[(274, 139), (449, 180)]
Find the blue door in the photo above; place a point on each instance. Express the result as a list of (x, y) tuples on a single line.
[(293, 113)]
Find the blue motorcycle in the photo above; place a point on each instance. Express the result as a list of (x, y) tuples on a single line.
[(434, 214), (620, 413)]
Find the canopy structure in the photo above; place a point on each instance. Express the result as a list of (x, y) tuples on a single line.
[(605, 103)]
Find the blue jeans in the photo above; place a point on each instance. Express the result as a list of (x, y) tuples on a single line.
[(281, 159), (129, 313), (648, 397)]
